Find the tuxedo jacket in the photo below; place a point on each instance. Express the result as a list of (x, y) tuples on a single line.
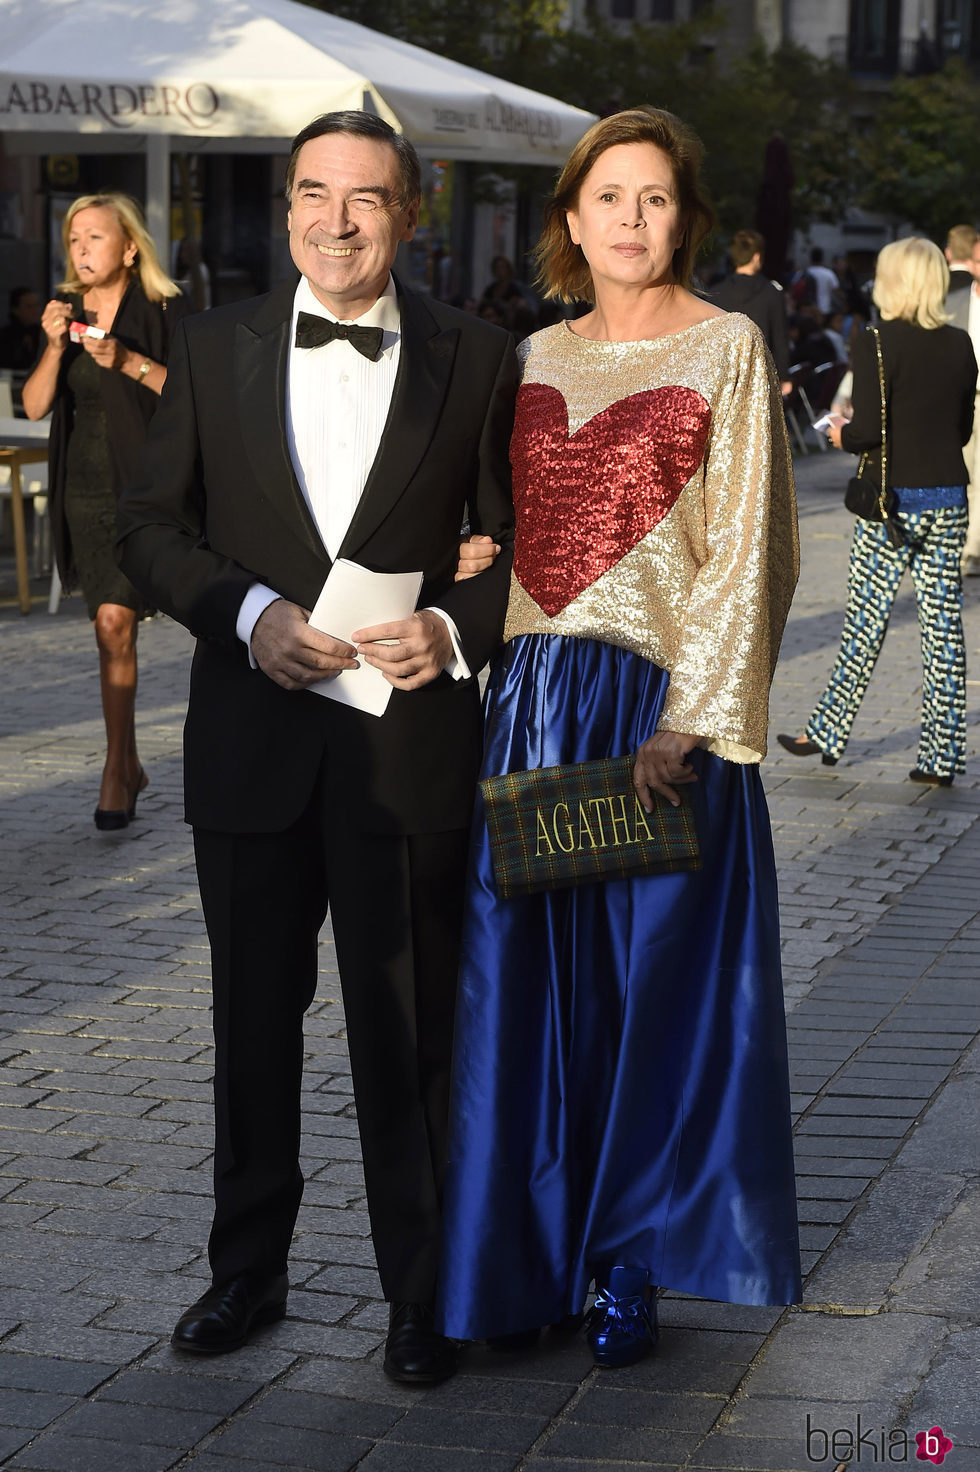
[(958, 306), (218, 507)]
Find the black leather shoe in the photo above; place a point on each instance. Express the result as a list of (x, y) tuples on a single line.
[(414, 1352), (224, 1317)]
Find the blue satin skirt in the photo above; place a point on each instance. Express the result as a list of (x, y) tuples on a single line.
[(620, 1085)]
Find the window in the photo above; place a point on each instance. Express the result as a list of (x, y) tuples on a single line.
[(662, 10), (874, 36)]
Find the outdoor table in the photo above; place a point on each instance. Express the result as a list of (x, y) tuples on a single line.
[(22, 442)]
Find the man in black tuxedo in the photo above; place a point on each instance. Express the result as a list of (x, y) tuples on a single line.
[(273, 452)]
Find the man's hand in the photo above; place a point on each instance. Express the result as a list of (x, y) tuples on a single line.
[(291, 653), (419, 650), (661, 762)]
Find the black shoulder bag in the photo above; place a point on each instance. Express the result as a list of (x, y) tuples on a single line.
[(864, 497)]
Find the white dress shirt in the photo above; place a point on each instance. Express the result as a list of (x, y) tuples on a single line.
[(337, 403)]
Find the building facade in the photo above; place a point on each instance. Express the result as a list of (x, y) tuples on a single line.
[(872, 38)]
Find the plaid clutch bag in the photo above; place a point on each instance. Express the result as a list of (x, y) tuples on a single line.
[(553, 827)]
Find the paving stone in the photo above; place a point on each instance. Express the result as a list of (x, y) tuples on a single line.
[(57, 1453), (702, 1313), (390, 1457), (12, 1439), (185, 1392), (77, 1343), (361, 1381), (948, 1396), (603, 1405), (289, 1446), (829, 1188), (345, 1278), (943, 1275), (208, 1463), (439, 1425), (66, 1377), (848, 1359), (949, 1131), (143, 1425), (466, 1393), (344, 1343), (610, 1443), (722, 1452), (31, 1408)]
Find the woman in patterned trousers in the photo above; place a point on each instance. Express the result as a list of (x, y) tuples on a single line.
[(930, 377)]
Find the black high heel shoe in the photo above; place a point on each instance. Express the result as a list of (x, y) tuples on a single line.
[(800, 746), (110, 820)]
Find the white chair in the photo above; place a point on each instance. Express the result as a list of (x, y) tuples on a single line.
[(33, 484)]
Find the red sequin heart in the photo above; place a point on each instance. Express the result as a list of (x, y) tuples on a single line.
[(584, 500)]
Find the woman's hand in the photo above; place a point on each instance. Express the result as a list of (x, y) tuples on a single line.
[(54, 324), (661, 764), (475, 556), (39, 391), (834, 428), (108, 352)]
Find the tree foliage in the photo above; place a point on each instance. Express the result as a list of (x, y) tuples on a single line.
[(918, 160)]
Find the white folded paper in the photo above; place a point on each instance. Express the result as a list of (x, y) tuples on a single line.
[(354, 598)]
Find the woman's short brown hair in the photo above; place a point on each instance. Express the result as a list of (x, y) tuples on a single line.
[(563, 271)]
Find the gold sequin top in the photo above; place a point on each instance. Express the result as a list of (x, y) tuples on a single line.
[(655, 511)]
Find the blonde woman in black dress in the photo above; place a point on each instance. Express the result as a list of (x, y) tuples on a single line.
[(101, 391)]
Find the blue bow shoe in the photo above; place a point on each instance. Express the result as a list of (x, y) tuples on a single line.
[(622, 1325)]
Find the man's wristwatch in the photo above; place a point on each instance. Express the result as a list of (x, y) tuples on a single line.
[(144, 369)]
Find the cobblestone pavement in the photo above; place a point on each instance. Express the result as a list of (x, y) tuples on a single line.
[(105, 1133)]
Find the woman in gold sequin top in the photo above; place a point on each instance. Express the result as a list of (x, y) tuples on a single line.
[(621, 1102)]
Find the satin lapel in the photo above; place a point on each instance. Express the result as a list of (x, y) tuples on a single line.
[(260, 358), (424, 370)]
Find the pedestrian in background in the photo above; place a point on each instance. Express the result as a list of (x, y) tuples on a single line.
[(102, 387), (748, 290), (503, 291), (826, 287), (930, 377), (21, 338), (963, 306), (960, 243)]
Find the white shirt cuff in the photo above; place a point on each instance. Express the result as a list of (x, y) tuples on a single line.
[(254, 604), (456, 665)]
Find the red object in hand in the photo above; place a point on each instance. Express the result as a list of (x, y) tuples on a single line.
[(78, 330)]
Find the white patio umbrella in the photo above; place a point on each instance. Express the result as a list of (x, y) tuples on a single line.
[(209, 71)]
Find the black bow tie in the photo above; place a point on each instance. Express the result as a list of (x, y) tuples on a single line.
[(313, 332)]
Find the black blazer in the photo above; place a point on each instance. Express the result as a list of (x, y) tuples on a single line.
[(218, 507), (930, 381)]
